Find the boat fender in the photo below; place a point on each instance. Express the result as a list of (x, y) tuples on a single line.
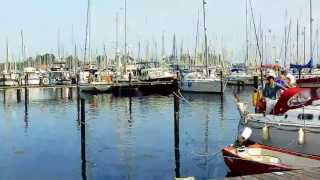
[(301, 137), (245, 135), (265, 133)]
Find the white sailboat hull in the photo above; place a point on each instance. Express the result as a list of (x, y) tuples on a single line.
[(202, 86)]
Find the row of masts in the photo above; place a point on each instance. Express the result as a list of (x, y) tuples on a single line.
[(185, 56), (290, 48)]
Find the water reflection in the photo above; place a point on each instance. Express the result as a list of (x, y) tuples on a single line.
[(26, 112), (123, 137)]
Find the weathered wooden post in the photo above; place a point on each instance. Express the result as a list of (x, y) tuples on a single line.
[(176, 128), (18, 95), (4, 97), (83, 141), (70, 93), (255, 82), (221, 82), (130, 84), (78, 98), (26, 98)]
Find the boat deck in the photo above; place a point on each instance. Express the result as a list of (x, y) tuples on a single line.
[(309, 173)]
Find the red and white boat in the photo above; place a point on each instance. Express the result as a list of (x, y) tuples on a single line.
[(293, 124), (257, 159)]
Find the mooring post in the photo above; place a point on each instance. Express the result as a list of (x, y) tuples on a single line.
[(26, 80), (82, 111), (26, 98), (70, 93), (4, 96), (255, 82), (78, 98), (18, 95), (221, 82), (83, 141), (130, 84), (176, 128)]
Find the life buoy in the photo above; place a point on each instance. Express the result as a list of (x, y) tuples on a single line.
[(45, 81)]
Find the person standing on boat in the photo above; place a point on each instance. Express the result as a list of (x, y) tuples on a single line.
[(291, 80), (271, 88), (270, 92)]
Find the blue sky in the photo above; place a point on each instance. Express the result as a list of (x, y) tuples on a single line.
[(147, 19)]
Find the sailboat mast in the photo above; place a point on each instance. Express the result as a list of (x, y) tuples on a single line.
[(205, 36), (87, 32), (311, 31), (117, 35), (297, 41), (247, 41), (7, 56), (304, 44), (125, 30), (162, 48), (22, 45), (197, 40)]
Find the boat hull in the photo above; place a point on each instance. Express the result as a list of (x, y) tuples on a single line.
[(239, 166), (284, 136), (202, 86), (97, 88)]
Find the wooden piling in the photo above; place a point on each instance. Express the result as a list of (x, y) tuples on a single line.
[(255, 82), (70, 93), (26, 99), (4, 97), (176, 128), (221, 82), (83, 141), (18, 95)]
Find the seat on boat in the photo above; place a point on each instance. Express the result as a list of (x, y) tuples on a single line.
[(256, 154)]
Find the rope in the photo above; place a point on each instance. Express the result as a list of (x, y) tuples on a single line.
[(182, 98)]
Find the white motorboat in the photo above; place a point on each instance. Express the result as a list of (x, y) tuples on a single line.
[(156, 74), (59, 74), (240, 77), (94, 81), (32, 76), (9, 79), (123, 74), (293, 124)]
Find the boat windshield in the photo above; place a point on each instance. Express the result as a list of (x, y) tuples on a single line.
[(300, 98)]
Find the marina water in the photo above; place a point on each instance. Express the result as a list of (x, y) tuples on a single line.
[(126, 137)]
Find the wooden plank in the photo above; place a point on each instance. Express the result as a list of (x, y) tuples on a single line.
[(312, 172)]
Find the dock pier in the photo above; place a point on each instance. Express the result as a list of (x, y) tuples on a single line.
[(310, 173)]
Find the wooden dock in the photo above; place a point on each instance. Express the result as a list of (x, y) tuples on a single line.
[(311, 173), (115, 84)]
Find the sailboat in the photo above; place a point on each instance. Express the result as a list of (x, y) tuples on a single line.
[(9, 77), (203, 81), (91, 78), (308, 79)]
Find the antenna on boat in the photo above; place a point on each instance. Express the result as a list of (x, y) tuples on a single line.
[(205, 36)]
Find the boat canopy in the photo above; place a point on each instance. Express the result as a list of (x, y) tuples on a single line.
[(295, 98), (299, 67)]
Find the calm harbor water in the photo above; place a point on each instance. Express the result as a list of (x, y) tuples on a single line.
[(126, 137)]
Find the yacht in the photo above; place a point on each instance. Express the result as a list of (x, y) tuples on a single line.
[(92, 80), (9, 79), (32, 76), (59, 74), (200, 82), (293, 123)]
